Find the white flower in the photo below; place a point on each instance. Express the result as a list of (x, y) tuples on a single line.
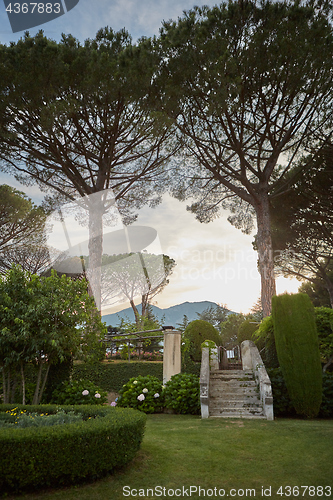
[(85, 392), (156, 395), (144, 390), (141, 397), (135, 382), (97, 395)]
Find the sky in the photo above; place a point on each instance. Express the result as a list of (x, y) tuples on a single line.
[(215, 261)]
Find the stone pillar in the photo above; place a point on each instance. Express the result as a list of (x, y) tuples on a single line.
[(246, 354), (172, 363)]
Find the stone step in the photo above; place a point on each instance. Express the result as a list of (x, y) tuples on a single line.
[(236, 415), (235, 404), (244, 396), (236, 401), (231, 374), (233, 386), (234, 394)]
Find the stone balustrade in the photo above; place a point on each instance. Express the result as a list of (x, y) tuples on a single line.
[(204, 383), (251, 360)]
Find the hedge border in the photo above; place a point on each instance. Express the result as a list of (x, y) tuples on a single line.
[(112, 376), (68, 453)]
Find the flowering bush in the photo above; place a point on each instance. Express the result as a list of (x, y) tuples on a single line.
[(78, 392), (142, 393), (182, 394)]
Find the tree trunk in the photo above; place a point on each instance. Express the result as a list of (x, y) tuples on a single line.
[(96, 210), (329, 363), (39, 376), (329, 287), (44, 383), (136, 313), (4, 386), (23, 383), (265, 254)]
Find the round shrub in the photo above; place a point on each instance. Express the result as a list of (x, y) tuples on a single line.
[(182, 394), (196, 333), (78, 392), (65, 454), (142, 393)]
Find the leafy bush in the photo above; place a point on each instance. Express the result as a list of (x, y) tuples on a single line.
[(48, 456), (196, 333), (265, 341), (182, 394), (78, 392), (281, 400), (326, 409), (324, 322), (246, 330), (297, 346), (142, 393)]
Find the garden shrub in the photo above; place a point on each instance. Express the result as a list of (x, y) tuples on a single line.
[(282, 404), (246, 330), (182, 394), (265, 341), (142, 393), (78, 392), (58, 373), (65, 454), (196, 333), (112, 376), (326, 409), (324, 322), (297, 346)]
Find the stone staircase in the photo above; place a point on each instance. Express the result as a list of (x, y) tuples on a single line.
[(233, 393)]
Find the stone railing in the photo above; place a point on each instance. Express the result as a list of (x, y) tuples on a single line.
[(252, 361), (204, 383)]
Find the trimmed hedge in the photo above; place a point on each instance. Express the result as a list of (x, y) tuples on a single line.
[(297, 347), (112, 376), (68, 453)]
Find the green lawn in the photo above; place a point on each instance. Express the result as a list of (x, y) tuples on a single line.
[(237, 456)]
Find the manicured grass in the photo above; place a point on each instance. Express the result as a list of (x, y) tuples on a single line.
[(183, 451)]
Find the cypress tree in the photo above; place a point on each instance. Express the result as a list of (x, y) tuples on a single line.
[(297, 348)]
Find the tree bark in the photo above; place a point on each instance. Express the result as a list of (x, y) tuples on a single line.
[(329, 287), (136, 313), (44, 383), (4, 386), (96, 210), (265, 254), (39, 376), (23, 383)]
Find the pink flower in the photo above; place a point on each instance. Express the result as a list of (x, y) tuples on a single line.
[(113, 403), (85, 392), (97, 395)]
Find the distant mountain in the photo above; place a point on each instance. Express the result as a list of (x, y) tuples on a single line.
[(172, 315)]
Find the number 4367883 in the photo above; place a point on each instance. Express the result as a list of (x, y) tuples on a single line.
[(30, 8)]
